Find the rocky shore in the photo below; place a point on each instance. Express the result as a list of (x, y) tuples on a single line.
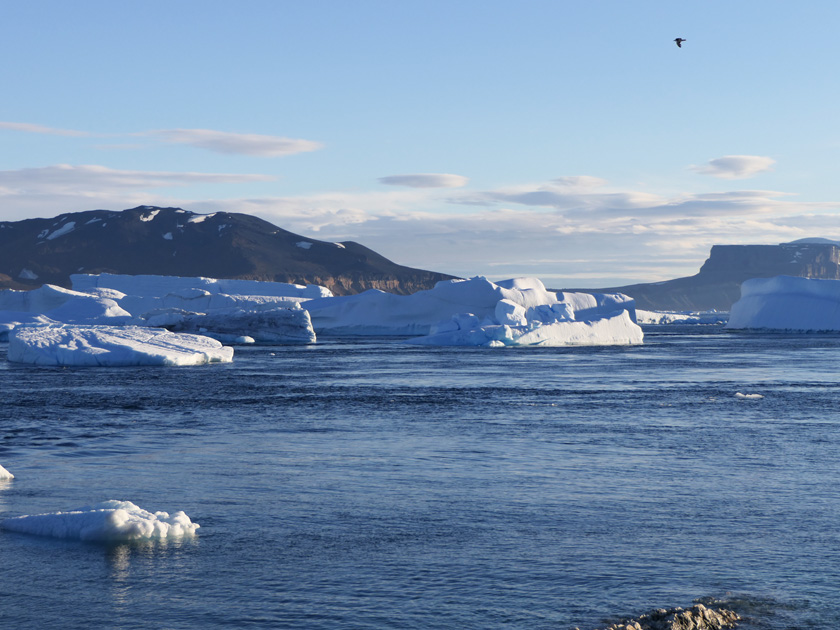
[(698, 617)]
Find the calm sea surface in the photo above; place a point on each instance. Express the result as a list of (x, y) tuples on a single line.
[(370, 484)]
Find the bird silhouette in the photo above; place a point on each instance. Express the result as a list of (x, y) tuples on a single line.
[(679, 41)]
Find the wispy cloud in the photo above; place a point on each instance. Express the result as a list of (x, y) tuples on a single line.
[(425, 180), (31, 128), (93, 179), (736, 166), (237, 143)]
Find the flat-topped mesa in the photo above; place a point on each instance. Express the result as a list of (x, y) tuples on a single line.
[(698, 617), (718, 283)]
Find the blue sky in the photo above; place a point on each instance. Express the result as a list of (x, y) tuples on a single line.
[(571, 141)]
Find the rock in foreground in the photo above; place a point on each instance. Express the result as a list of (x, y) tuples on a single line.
[(698, 617)]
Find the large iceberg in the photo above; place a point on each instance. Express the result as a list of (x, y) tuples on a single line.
[(254, 311), (65, 344), (479, 312), (109, 521), (787, 303)]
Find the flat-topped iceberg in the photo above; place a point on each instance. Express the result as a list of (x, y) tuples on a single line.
[(277, 325), (109, 521), (787, 303), (112, 346), (479, 312)]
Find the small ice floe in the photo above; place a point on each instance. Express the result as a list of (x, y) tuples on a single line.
[(5, 474), (109, 521), (741, 396)]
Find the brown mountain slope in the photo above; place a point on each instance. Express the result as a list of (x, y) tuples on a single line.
[(175, 242)]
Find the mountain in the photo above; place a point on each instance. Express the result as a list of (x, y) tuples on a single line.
[(718, 284), (176, 242)]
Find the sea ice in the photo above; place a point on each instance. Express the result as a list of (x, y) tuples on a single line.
[(109, 521), (748, 396), (5, 474), (112, 346), (787, 303)]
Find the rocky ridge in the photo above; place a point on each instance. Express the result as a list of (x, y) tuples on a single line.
[(176, 242), (698, 617)]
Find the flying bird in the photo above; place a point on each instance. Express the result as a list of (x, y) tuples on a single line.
[(679, 41)]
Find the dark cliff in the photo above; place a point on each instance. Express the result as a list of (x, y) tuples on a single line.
[(718, 284), (175, 242)]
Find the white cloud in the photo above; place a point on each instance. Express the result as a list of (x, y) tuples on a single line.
[(31, 128), (578, 233), (425, 180), (736, 166), (237, 143)]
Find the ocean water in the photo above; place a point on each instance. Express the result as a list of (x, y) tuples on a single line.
[(368, 484)]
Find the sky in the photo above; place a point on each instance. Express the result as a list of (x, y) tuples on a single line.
[(571, 141)]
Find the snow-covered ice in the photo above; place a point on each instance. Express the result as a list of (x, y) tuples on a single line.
[(112, 346), (5, 474), (476, 312), (156, 286), (109, 521), (787, 303)]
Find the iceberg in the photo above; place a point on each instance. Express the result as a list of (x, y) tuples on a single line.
[(162, 285), (65, 344), (278, 325), (787, 303), (683, 317), (613, 330), (5, 474), (520, 311), (63, 305), (109, 521)]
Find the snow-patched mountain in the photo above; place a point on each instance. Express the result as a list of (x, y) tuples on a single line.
[(176, 242)]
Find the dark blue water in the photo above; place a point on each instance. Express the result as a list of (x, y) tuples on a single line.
[(369, 484)]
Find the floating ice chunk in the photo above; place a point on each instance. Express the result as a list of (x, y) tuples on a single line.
[(27, 274), (787, 303), (748, 396), (112, 346), (5, 474), (168, 236), (304, 244), (109, 521)]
